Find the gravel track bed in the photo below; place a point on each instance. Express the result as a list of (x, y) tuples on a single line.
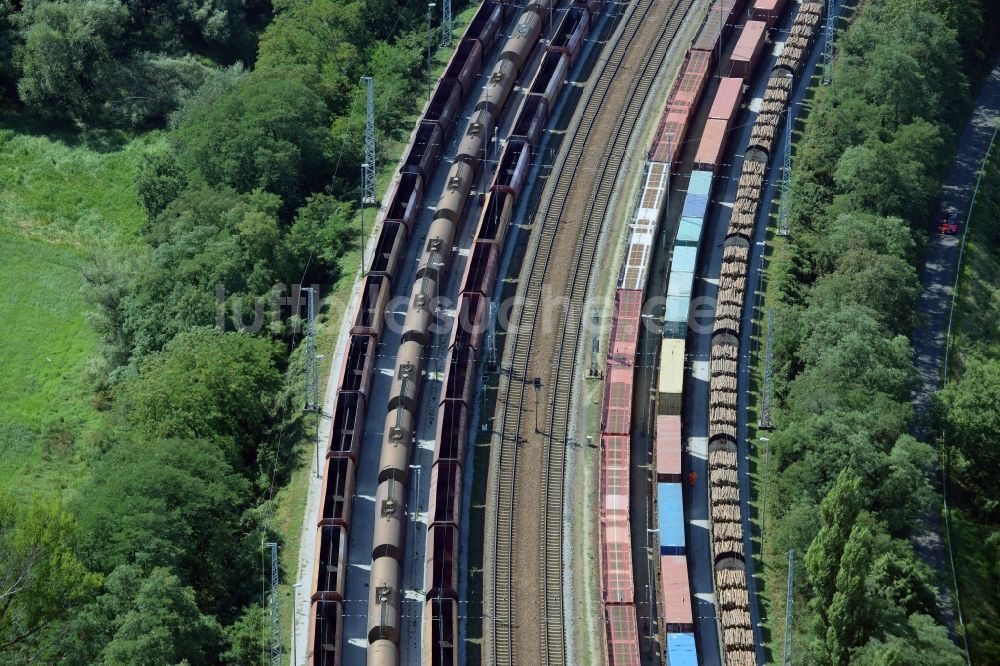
[(554, 318)]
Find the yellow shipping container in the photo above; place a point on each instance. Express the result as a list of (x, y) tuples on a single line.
[(671, 376)]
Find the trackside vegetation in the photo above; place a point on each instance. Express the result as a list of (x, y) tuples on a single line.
[(219, 143), (848, 482), (968, 414)]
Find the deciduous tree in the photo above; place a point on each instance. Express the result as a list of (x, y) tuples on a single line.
[(42, 580)]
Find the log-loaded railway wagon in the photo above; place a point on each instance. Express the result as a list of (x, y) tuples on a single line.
[(724, 488)]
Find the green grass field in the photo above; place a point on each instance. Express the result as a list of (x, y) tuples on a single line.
[(72, 189), (45, 346), (61, 195)]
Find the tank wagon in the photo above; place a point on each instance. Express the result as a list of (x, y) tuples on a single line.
[(351, 402), (441, 573), (472, 310)]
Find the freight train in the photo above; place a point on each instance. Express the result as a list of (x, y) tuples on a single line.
[(615, 548), (733, 608), (325, 637), (441, 579), (727, 531), (441, 115), (385, 589)]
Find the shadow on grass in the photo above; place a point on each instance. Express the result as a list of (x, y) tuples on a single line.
[(95, 137)]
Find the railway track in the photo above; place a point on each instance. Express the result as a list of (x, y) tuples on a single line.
[(502, 492)]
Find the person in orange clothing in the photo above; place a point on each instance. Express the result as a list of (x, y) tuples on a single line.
[(692, 478)]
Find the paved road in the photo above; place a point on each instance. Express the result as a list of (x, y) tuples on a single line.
[(936, 280)]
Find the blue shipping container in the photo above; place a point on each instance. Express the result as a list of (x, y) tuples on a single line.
[(677, 309), (684, 259), (675, 318), (695, 205), (681, 650), (680, 284), (701, 183), (689, 231), (670, 507)]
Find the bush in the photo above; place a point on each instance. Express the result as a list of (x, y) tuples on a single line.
[(268, 132)]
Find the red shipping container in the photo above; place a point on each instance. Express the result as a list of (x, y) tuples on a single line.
[(618, 386), (768, 11), (668, 448), (726, 104), (748, 49), (614, 504), (616, 562), (623, 635), (676, 591), (713, 139), (625, 331)]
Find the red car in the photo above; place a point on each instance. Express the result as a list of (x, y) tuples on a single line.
[(949, 224)]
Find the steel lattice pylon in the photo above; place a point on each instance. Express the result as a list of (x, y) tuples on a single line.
[(491, 344), (595, 343), (765, 407), (368, 168), (784, 208), (446, 23), (831, 9), (312, 368), (274, 610), (786, 653)]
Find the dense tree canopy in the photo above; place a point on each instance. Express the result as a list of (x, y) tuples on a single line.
[(206, 384), (151, 618), (920, 641), (249, 188), (266, 133), (970, 414), (867, 177), (182, 503), (122, 62), (66, 60)]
